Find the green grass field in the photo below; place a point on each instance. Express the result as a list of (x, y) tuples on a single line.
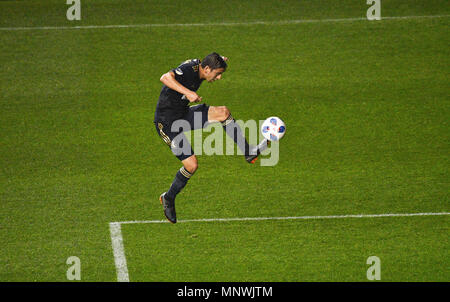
[(366, 104)]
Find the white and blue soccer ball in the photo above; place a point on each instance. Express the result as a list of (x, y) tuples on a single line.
[(273, 128)]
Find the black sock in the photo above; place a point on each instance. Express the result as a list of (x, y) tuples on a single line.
[(235, 132), (181, 179)]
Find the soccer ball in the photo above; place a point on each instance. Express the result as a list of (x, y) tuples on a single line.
[(273, 128)]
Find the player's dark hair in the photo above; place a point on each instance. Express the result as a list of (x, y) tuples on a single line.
[(214, 61)]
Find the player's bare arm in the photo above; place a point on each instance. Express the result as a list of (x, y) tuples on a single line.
[(169, 80)]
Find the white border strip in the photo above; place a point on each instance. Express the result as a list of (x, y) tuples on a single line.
[(217, 24), (119, 251)]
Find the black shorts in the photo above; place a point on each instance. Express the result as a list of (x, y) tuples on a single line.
[(173, 133)]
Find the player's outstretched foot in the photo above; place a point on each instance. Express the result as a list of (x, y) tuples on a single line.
[(251, 159), (169, 208)]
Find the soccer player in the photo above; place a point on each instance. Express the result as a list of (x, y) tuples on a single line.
[(178, 91)]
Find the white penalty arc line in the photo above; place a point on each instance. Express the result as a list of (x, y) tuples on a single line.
[(119, 250), (279, 22)]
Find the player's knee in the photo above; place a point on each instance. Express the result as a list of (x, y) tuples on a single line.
[(224, 112), (193, 167), (191, 164)]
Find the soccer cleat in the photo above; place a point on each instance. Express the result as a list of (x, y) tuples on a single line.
[(169, 208), (251, 159)]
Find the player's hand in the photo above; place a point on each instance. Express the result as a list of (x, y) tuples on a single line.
[(225, 58), (193, 97)]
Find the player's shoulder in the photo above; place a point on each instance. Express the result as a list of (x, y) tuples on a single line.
[(189, 65), (191, 62)]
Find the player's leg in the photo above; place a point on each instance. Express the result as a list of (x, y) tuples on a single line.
[(223, 115), (182, 150), (183, 175)]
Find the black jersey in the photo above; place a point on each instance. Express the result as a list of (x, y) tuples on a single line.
[(173, 105)]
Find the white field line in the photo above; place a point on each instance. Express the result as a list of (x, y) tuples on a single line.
[(119, 251), (287, 218), (281, 22)]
